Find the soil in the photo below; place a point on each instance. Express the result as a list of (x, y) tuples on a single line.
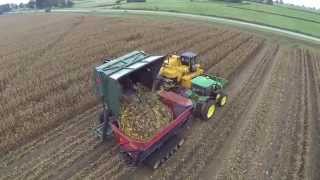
[(269, 128)]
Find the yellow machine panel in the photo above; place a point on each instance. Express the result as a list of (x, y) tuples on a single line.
[(174, 69)]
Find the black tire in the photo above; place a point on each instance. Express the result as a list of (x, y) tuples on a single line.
[(206, 110)]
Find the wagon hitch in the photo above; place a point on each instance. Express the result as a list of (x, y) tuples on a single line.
[(104, 129)]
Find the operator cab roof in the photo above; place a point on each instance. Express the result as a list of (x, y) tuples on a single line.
[(188, 54)]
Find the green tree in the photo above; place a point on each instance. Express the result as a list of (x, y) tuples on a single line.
[(4, 8), (21, 5)]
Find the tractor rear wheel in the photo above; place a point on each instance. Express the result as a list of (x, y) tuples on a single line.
[(208, 110), (222, 99)]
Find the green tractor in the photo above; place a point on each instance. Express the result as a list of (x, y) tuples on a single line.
[(206, 94)]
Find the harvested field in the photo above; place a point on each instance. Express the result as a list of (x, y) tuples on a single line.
[(268, 130)]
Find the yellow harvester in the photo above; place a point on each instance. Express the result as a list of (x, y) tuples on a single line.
[(181, 69)]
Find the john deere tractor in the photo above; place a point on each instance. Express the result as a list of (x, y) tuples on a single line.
[(206, 92)]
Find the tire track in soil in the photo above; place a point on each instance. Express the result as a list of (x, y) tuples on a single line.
[(314, 164), (309, 116), (255, 154), (304, 116), (262, 58), (278, 158)]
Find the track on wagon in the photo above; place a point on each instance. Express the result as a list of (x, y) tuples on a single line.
[(268, 130)]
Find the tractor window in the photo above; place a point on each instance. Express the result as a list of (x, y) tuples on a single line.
[(184, 60), (193, 61), (198, 90), (192, 65)]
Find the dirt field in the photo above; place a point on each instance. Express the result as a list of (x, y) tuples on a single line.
[(270, 129)]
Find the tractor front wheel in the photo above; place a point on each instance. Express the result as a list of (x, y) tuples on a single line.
[(208, 110)]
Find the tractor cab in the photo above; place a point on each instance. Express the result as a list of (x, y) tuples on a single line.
[(207, 85), (189, 59)]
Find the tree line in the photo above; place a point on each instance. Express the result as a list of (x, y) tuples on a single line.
[(36, 4)]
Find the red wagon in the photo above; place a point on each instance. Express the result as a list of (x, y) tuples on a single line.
[(166, 141)]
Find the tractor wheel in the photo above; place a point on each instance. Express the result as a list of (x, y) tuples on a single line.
[(223, 98), (208, 110)]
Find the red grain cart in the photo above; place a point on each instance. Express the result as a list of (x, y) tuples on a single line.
[(165, 142)]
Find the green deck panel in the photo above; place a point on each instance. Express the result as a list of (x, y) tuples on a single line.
[(121, 63)]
